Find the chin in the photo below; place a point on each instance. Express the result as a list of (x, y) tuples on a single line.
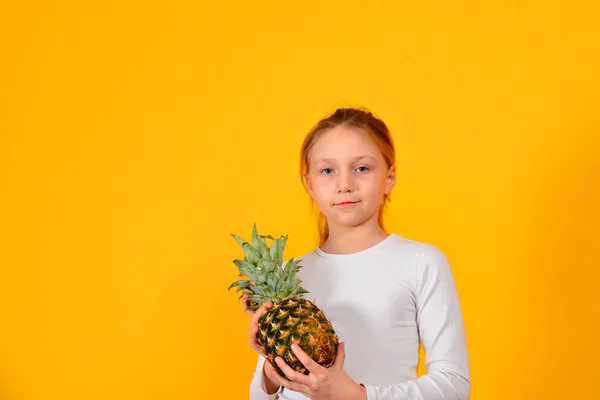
[(349, 221)]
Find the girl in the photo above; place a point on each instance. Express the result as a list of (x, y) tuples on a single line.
[(381, 291)]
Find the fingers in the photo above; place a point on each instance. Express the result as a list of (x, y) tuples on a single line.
[(341, 356), (246, 304), (293, 375), (252, 339), (258, 313), (254, 327), (295, 386), (308, 362)]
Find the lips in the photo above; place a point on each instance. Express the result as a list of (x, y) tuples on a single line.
[(345, 203)]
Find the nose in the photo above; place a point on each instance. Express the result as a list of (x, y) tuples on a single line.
[(345, 182)]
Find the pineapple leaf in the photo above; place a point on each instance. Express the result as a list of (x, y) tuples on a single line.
[(275, 255), (258, 289), (277, 249), (255, 298), (281, 244), (269, 265), (267, 254), (278, 283), (295, 288), (245, 268), (267, 237), (241, 284), (251, 253), (239, 240), (261, 272), (301, 291), (271, 280), (290, 268), (259, 243)]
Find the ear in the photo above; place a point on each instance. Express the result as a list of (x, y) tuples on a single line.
[(390, 181)]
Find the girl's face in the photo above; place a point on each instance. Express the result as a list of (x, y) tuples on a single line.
[(348, 177)]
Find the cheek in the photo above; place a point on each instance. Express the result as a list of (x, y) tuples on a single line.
[(320, 182), (375, 187), (318, 187)]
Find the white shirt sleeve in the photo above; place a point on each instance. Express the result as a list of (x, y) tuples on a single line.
[(258, 389), (441, 330)]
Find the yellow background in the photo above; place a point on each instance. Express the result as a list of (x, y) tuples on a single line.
[(136, 136)]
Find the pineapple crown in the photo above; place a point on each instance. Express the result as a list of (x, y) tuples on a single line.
[(268, 279)]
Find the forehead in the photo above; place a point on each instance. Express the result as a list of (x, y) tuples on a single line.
[(344, 144)]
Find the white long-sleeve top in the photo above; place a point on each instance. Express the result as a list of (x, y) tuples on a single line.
[(381, 301)]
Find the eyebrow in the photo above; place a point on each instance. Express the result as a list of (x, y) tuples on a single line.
[(353, 159)]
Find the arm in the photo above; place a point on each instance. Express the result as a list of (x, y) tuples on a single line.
[(262, 388), (441, 329)]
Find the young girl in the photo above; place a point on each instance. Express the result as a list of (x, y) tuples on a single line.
[(381, 291)]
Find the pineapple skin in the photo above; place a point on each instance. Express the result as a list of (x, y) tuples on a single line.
[(297, 320)]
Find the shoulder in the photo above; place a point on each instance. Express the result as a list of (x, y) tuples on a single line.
[(430, 254), (426, 256), (421, 248), (432, 268), (418, 250)]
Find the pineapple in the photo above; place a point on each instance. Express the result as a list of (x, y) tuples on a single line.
[(291, 319)]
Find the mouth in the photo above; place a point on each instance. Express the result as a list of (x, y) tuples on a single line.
[(346, 203)]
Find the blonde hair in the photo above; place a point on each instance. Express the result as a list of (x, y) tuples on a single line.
[(362, 120)]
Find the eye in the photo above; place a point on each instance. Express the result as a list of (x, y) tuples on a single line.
[(364, 169), (327, 171)]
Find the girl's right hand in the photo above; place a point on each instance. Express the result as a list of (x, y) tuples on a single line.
[(271, 385), (253, 341)]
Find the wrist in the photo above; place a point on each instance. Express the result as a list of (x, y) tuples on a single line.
[(270, 387)]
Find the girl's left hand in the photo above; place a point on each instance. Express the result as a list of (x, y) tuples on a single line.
[(322, 383)]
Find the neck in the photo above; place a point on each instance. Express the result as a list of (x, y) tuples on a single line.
[(348, 240)]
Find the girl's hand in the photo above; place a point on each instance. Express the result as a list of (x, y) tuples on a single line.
[(270, 383), (254, 322), (322, 383)]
